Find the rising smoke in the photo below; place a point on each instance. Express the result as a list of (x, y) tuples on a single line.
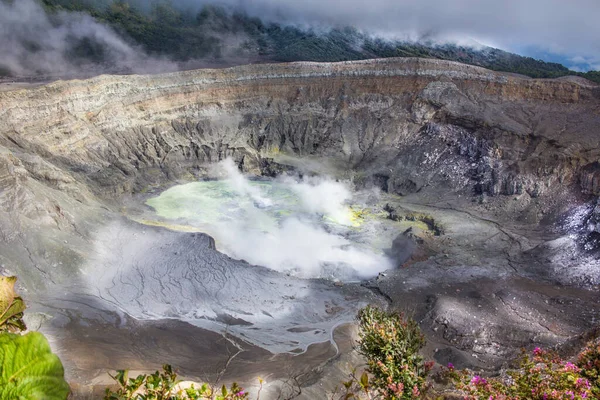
[(33, 43), (301, 244)]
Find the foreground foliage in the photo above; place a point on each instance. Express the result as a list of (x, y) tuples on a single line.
[(395, 369), (541, 376), (164, 385), (29, 370), (11, 306), (589, 363), (390, 343)]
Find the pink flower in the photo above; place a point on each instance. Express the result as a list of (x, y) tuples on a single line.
[(450, 366), (537, 351), (569, 366), (582, 382), (416, 391), (571, 394), (396, 387), (478, 381)]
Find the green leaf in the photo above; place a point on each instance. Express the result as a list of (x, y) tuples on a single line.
[(11, 306), (121, 377), (364, 380), (29, 370)]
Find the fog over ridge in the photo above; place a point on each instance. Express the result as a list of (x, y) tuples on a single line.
[(33, 43), (568, 29)]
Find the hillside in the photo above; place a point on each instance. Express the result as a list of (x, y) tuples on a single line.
[(215, 36)]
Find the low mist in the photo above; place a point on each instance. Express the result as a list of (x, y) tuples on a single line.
[(565, 29), (168, 35), (34, 43)]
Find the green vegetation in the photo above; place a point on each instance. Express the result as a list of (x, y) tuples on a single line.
[(589, 363), (542, 376), (395, 370), (184, 36), (28, 369), (11, 306), (390, 343), (165, 386)]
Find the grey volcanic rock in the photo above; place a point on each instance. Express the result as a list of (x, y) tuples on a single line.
[(125, 132)]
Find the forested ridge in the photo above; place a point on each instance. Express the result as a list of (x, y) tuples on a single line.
[(231, 37)]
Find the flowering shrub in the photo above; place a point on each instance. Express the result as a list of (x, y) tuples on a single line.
[(542, 376), (165, 386), (391, 345), (589, 362)]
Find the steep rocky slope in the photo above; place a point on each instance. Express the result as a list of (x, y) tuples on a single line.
[(363, 113), (509, 165)]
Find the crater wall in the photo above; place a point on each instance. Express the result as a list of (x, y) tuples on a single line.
[(410, 122)]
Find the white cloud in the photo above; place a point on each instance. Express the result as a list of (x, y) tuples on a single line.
[(32, 43), (568, 28), (582, 64), (576, 68)]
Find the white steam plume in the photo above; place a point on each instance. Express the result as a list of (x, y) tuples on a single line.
[(241, 184), (300, 243), (325, 197)]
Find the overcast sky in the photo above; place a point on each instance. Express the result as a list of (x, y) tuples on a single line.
[(564, 30)]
